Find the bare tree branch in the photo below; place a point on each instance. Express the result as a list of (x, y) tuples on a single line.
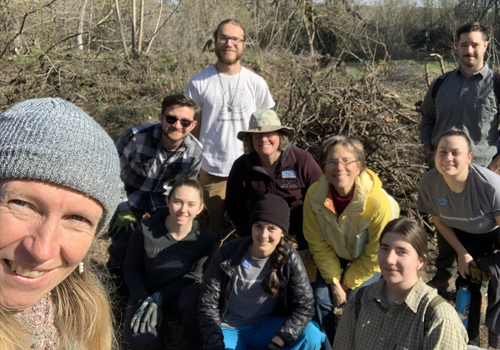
[(22, 26)]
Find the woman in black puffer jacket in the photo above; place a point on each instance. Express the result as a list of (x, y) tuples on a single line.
[(256, 294)]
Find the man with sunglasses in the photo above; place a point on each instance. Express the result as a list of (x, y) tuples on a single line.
[(152, 157), (227, 94)]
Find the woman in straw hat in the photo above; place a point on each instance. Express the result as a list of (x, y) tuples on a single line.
[(270, 165)]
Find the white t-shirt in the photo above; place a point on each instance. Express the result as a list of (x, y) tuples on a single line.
[(219, 125)]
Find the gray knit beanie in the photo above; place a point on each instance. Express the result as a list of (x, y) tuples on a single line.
[(52, 140)]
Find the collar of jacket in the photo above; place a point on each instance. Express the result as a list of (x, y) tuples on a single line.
[(366, 182), (229, 266), (483, 72), (285, 161)]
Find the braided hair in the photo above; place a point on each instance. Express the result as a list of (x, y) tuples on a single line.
[(271, 283)]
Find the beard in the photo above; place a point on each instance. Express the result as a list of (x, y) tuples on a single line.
[(465, 62), (168, 134), (226, 60)]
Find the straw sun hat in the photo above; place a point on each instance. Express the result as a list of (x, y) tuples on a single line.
[(263, 121)]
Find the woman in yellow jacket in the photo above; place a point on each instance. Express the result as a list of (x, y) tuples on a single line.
[(345, 212)]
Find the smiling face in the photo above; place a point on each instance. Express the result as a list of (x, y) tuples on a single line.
[(45, 231), (184, 204), (173, 132), (471, 49), (266, 144), (229, 52), (453, 157), (398, 261), (342, 177), (265, 238)]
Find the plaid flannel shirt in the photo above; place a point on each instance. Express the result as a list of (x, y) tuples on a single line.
[(400, 326), (148, 170)]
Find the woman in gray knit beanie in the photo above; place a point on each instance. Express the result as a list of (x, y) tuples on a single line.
[(59, 180)]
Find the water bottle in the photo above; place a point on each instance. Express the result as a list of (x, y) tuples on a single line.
[(463, 305)]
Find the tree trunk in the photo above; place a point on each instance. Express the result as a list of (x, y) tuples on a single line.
[(141, 27), (308, 18), (156, 28), (134, 24), (119, 17), (79, 38)]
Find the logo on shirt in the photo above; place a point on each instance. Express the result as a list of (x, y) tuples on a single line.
[(245, 263), (442, 201)]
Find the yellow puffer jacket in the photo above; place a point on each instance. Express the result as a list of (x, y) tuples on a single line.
[(332, 237)]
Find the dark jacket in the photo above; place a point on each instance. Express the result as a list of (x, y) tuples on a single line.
[(295, 297), (248, 182)]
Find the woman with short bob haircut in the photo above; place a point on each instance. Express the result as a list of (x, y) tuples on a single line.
[(59, 187), (400, 311), (463, 200), (255, 294), (345, 212)]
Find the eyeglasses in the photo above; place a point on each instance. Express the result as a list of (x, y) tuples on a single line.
[(222, 39), (334, 162), (184, 122)]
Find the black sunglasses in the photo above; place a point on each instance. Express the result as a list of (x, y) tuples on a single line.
[(184, 122)]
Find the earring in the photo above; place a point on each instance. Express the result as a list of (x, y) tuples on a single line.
[(80, 267)]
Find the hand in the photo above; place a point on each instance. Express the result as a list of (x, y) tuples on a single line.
[(275, 344), (338, 293), (148, 315), (495, 164), (122, 221), (478, 274), (429, 157), (464, 261)]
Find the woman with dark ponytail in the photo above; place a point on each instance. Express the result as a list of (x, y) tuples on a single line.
[(256, 294)]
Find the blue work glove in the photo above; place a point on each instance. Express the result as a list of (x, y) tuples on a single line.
[(148, 315), (122, 221)]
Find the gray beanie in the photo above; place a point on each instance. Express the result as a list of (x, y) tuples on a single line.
[(52, 140)]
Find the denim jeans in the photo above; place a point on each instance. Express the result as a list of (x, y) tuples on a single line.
[(324, 305)]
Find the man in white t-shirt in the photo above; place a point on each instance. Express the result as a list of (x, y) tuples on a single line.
[(227, 94)]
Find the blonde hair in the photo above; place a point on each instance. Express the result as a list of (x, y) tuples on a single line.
[(82, 315)]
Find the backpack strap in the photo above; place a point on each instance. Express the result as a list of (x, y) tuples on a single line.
[(359, 295), (439, 82), (435, 302), (496, 86)]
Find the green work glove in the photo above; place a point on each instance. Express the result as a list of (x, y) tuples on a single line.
[(122, 221), (148, 315)]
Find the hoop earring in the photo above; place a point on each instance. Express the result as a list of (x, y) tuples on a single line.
[(80, 267)]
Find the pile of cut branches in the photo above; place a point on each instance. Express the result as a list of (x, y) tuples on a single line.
[(326, 104)]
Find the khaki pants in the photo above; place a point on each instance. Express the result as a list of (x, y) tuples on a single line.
[(214, 195)]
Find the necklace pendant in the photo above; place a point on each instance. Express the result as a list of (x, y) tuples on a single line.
[(229, 109)]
